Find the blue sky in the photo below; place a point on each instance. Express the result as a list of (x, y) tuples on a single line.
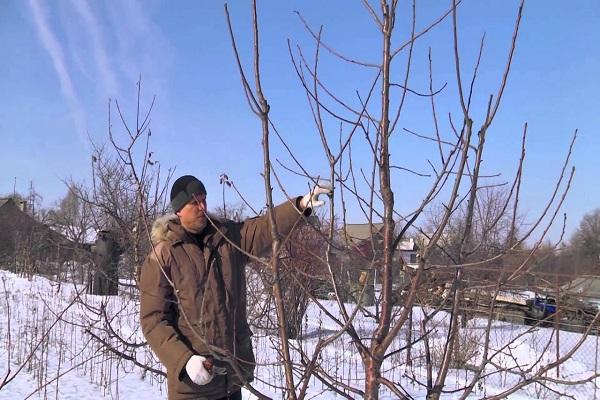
[(64, 59)]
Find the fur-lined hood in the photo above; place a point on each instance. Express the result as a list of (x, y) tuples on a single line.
[(168, 227), (160, 227)]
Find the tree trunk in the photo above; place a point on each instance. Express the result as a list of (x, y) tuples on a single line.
[(373, 374)]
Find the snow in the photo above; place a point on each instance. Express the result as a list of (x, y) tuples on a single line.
[(69, 364)]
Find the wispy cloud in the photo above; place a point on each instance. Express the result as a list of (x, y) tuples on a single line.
[(109, 80), (55, 50), (141, 46), (104, 51)]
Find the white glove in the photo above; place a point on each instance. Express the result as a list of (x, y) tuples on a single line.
[(197, 371), (312, 199)]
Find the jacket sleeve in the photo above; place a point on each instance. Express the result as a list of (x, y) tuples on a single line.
[(256, 232), (158, 313)]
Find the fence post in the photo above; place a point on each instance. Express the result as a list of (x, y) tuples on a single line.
[(557, 310), (596, 364)]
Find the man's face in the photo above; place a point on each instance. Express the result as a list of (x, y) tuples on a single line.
[(193, 214)]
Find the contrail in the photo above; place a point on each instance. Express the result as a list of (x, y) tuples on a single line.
[(140, 46), (54, 49), (100, 55)]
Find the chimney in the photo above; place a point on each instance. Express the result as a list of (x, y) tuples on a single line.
[(23, 205)]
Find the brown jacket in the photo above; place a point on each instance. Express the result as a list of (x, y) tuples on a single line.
[(207, 272)]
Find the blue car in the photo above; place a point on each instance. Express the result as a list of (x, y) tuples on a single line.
[(539, 309), (546, 304)]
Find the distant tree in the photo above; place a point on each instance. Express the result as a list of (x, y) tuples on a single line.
[(553, 264), (586, 240), (492, 229), (72, 216), (235, 212)]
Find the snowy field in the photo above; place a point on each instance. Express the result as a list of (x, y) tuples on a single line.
[(48, 328)]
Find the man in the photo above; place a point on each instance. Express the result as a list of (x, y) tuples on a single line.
[(193, 291)]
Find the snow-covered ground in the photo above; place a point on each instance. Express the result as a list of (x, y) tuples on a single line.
[(69, 364)]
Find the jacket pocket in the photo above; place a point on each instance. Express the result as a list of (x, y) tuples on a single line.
[(185, 388)]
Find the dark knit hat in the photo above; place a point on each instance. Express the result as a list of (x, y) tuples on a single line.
[(184, 189)]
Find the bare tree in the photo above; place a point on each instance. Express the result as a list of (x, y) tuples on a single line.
[(477, 228), (121, 199), (128, 191)]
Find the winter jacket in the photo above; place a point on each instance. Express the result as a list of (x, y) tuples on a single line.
[(207, 272)]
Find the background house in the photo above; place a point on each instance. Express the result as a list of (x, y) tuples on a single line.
[(27, 243), (362, 260), (366, 236), (409, 251)]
